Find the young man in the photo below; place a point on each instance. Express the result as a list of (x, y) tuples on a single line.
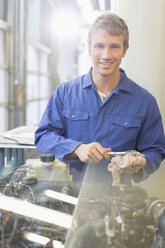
[(104, 110)]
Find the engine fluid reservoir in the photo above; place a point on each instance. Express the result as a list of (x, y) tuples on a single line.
[(47, 168)]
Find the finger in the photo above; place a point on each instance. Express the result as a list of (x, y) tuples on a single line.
[(139, 154), (142, 155), (139, 161), (97, 154), (135, 164), (103, 151), (142, 161), (93, 158), (108, 149)]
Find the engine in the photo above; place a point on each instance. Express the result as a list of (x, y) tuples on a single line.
[(120, 216), (104, 216)]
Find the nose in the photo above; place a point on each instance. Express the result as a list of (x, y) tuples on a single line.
[(106, 55)]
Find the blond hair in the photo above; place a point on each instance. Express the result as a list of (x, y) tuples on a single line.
[(113, 24)]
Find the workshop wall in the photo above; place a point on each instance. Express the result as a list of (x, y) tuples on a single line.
[(145, 61)]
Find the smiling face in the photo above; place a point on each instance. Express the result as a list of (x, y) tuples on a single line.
[(106, 52)]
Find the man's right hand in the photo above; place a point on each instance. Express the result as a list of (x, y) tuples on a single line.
[(92, 153)]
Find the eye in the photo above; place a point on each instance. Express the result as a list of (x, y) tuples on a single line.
[(99, 45), (115, 46)]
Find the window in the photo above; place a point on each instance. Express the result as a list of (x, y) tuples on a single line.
[(38, 81)]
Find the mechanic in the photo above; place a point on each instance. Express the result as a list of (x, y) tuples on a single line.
[(103, 111)]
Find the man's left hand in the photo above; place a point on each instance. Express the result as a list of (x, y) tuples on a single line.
[(126, 164)]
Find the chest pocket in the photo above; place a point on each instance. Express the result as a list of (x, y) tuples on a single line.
[(124, 131), (75, 115), (125, 122), (76, 124)]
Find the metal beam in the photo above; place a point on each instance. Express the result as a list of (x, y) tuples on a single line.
[(20, 19)]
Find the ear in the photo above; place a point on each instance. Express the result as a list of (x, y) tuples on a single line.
[(124, 52)]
